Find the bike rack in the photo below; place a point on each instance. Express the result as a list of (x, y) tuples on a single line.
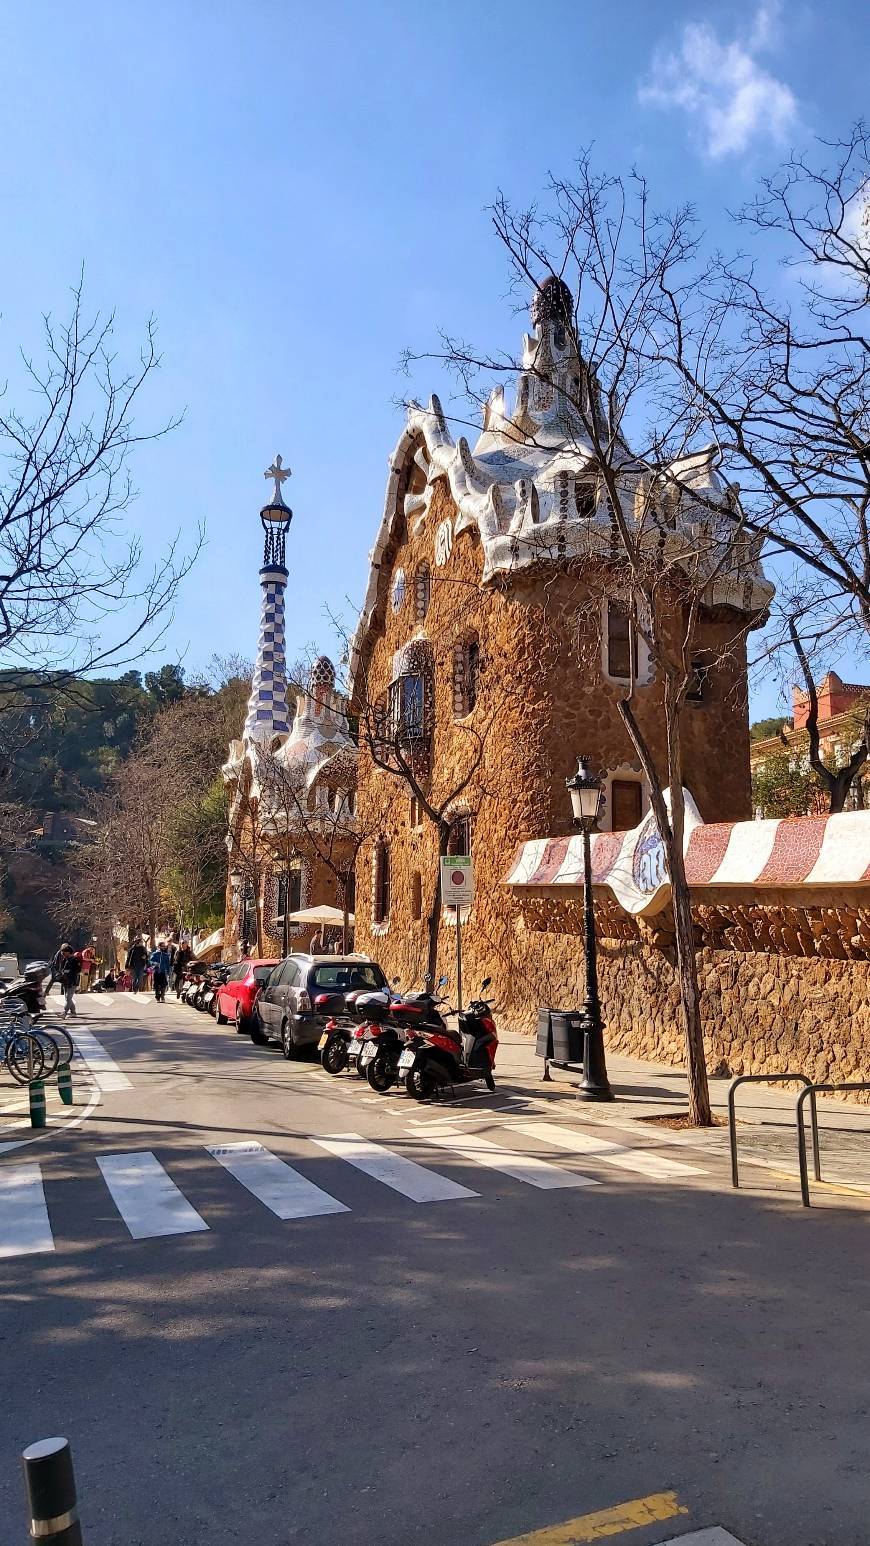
[(778, 1079), (811, 1092)]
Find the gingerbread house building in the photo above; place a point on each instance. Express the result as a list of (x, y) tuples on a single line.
[(492, 666)]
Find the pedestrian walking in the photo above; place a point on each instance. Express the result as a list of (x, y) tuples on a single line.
[(183, 956), (161, 965), (55, 965), (70, 973), (137, 964)]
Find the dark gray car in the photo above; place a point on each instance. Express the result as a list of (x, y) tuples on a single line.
[(285, 1008)]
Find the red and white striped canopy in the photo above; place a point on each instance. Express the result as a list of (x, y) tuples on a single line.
[(799, 851)]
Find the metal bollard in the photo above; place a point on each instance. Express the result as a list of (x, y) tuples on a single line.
[(36, 1091), (64, 1083), (51, 1493)]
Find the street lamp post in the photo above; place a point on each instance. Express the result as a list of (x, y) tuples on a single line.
[(586, 800)]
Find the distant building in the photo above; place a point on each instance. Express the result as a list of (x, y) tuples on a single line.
[(842, 710), (60, 829)]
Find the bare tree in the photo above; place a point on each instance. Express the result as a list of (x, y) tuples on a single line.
[(781, 377), (68, 566)]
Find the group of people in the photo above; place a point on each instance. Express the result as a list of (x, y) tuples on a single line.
[(168, 961), (77, 971)]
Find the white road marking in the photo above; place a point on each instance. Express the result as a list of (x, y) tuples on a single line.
[(24, 1223), (402, 1174), (714, 1537), (147, 1199), (654, 1165), (523, 1167), (104, 1068), (275, 1183)]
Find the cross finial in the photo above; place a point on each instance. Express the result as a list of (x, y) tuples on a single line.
[(279, 473)]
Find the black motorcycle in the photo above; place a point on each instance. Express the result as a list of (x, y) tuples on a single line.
[(438, 1057), (379, 1058)]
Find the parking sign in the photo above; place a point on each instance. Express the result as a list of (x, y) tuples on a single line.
[(457, 880)]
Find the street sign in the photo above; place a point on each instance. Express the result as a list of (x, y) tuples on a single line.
[(457, 880)]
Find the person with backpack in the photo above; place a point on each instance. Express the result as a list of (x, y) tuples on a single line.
[(70, 973), (137, 964), (183, 958), (160, 962)]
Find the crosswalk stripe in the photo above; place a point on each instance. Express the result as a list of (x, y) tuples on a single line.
[(653, 1165), (270, 1179), (24, 1222), (104, 1068), (523, 1167), (394, 1170), (147, 1199)]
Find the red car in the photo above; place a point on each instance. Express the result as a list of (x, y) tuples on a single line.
[(235, 1000)]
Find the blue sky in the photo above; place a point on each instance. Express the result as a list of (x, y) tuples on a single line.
[(298, 193)]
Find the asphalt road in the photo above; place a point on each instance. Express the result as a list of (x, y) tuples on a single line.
[(456, 1371)]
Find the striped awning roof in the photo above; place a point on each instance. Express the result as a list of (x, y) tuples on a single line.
[(799, 851)]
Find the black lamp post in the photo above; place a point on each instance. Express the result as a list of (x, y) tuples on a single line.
[(586, 800)]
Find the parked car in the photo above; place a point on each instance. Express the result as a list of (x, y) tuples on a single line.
[(235, 997), (284, 1011)]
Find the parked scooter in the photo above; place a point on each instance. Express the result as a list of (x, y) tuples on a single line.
[(351, 1015), (29, 988), (379, 1059), (438, 1057)]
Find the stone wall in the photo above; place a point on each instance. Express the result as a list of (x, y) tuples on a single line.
[(783, 986)]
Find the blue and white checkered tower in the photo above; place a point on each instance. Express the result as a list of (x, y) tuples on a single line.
[(267, 706)]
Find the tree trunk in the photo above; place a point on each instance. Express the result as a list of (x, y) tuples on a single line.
[(687, 964), (434, 921), (671, 826)]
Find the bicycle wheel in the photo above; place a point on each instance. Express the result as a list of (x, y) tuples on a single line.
[(63, 1040), (24, 1057), (50, 1049)]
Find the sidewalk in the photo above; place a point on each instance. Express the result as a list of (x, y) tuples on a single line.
[(766, 1128)]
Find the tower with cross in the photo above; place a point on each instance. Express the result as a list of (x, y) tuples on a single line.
[(268, 715)]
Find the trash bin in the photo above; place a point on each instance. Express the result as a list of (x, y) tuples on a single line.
[(544, 1043), (567, 1036)]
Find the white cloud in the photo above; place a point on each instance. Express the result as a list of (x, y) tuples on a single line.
[(723, 87)]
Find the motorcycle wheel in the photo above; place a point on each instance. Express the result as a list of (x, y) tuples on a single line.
[(426, 1083), (380, 1075), (334, 1055), (361, 1072), (489, 1082)]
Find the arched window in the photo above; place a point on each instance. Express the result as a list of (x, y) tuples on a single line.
[(416, 896), (466, 676), (422, 591), (381, 879)]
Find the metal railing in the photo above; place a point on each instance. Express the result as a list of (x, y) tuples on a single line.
[(777, 1079), (810, 1093)]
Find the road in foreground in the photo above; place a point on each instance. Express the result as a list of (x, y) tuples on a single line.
[(451, 1325)]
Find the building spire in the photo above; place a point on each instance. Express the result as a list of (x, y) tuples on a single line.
[(267, 706)]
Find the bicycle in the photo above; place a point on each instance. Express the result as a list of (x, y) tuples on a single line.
[(23, 1056)]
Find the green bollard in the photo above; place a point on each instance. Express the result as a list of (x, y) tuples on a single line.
[(64, 1083), (36, 1091)]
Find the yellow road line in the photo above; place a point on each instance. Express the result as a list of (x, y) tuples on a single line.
[(605, 1522)]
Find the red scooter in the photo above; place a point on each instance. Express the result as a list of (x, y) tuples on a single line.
[(436, 1057)]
